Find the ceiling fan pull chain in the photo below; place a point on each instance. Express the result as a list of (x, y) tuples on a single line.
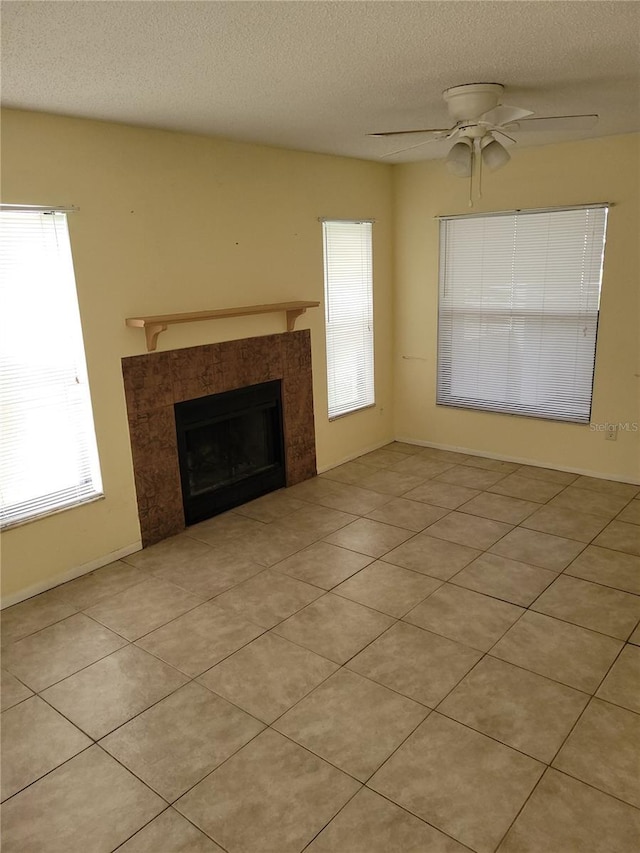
[(478, 152)]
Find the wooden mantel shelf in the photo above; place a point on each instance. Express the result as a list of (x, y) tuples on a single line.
[(154, 325)]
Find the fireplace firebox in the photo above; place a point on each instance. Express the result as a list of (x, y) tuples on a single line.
[(230, 448)]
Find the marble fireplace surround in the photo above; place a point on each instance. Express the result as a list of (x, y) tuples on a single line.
[(155, 381)]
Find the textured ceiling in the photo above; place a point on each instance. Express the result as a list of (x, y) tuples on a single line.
[(319, 76)]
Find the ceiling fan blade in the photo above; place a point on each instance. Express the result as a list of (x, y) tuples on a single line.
[(504, 114), (409, 148), (584, 122), (506, 139), (404, 132)]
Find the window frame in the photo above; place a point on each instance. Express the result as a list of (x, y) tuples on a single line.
[(69, 384), (367, 398), (444, 395)]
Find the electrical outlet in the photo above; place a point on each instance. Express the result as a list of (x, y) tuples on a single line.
[(611, 433)]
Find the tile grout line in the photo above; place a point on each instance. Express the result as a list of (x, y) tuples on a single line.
[(595, 788), (343, 665), (266, 630), (549, 766), (302, 608), (164, 811), (96, 741), (592, 697), (266, 524), (271, 567), (331, 819), (266, 726), (521, 809), (548, 769), (49, 772)]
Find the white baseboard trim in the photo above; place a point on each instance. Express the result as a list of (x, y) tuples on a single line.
[(70, 575), (353, 456), (519, 460), (99, 562)]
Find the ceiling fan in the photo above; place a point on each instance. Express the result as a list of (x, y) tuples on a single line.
[(483, 126)]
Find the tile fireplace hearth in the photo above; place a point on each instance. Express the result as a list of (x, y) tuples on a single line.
[(154, 383)]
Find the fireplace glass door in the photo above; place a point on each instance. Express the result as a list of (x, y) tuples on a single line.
[(230, 448)]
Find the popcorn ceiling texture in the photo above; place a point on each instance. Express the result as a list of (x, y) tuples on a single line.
[(320, 76), (155, 382)]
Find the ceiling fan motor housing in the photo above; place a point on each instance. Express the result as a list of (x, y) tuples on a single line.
[(470, 101), (474, 131)]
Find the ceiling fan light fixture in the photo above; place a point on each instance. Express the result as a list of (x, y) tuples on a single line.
[(494, 155), (460, 157)]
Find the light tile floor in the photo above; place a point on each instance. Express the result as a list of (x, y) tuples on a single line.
[(416, 651)]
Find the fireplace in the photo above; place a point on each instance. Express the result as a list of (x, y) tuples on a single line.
[(155, 382), (230, 448)]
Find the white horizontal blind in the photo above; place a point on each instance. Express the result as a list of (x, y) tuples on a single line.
[(348, 290), (48, 454), (518, 311)]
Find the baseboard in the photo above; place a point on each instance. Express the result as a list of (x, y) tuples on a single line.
[(353, 456), (70, 575), (519, 460), (99, 562)]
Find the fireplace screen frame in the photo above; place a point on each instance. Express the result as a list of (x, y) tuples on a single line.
[(262, 400)]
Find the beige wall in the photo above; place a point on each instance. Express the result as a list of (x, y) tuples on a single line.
[(171, 222), (601, 170)]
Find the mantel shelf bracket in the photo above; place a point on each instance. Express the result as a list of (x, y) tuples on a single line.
[(292, 316), (159, 323), (151, 333)]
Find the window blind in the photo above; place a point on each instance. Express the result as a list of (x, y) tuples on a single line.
[(348, 285), (48, 454), (518, 311)]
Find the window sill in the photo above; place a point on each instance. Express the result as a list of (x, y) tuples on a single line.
[(10, 525), (352, 412)]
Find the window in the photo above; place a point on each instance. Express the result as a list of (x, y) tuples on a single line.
[(48, 455), (518, 311), (348, 291)]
